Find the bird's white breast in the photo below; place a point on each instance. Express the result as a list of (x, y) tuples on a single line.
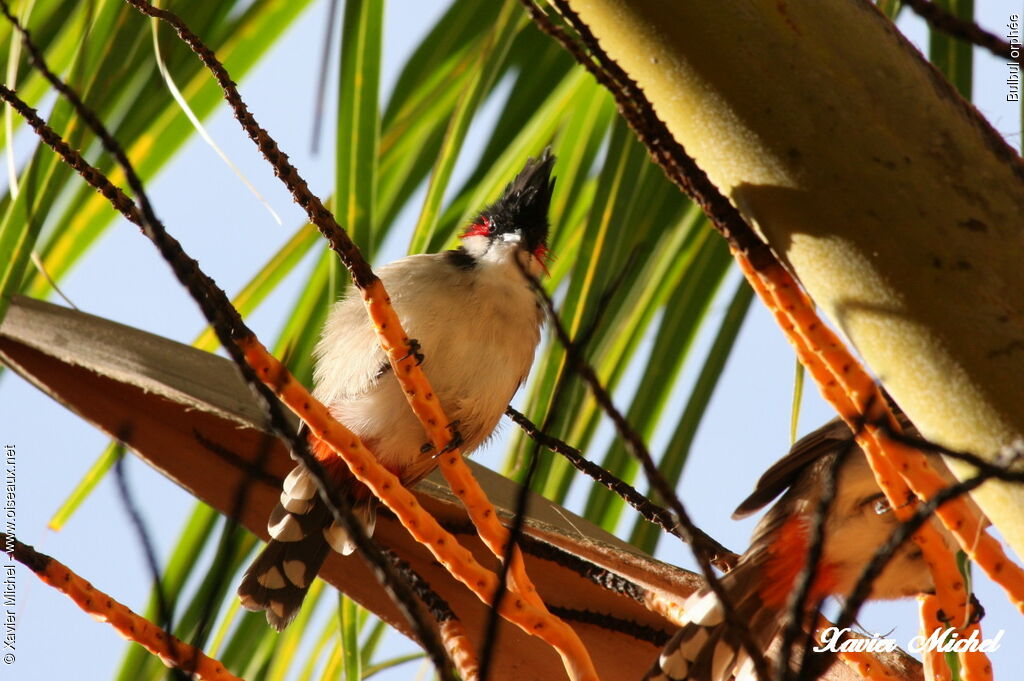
[(478, 329)]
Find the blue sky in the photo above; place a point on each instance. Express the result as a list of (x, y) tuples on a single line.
[(125, 280)]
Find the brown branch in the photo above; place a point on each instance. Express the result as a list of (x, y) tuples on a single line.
[(721, 557), (163, 608), (584, 568), (668, 153), (941, 18), (95, 178), (997, 471), (318, 214), (862, 589), (453, 633), (637, 448), (796, 610)]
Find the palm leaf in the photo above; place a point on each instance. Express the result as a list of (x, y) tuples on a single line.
[(636, 271)]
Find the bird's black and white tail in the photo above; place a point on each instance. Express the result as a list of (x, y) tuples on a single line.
[(302, 533), (705, 649)]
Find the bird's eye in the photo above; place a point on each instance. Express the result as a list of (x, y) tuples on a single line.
[(877, 502)]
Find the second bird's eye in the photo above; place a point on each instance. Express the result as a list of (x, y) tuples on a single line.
[(877, 503)]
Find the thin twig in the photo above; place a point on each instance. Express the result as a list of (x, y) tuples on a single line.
[(518, 522), (603, 304), (947, 22), (230, 538), (71, 157), (796, 610), (597, 574), (653, 133), (453, 633), (996, 471), (41, 268), (635, 445), (165, 614), (523, 495), (435, 604), (522, 500), (723, 558), (815, 665)]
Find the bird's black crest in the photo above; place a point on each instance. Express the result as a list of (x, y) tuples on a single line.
[(525, 203)]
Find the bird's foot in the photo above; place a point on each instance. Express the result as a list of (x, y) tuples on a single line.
[(414, 351), (975, 610), (456, 440), (454, 443)]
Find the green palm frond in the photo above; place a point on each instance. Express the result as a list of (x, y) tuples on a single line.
[(636, 271)]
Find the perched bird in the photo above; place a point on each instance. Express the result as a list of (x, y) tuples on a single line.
[(476, 321), (859, 521)]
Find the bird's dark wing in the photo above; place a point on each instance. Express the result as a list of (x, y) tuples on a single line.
[(784, 472)]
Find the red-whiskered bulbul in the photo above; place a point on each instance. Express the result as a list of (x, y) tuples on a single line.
[(858, 522), (477, 321)]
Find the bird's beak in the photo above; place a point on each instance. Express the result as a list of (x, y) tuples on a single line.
[(513, 237)]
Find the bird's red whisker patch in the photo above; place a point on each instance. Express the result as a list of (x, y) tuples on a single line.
[(788, 556), (482, 228)]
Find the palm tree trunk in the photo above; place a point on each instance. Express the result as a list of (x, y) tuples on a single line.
[(894, 202)]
